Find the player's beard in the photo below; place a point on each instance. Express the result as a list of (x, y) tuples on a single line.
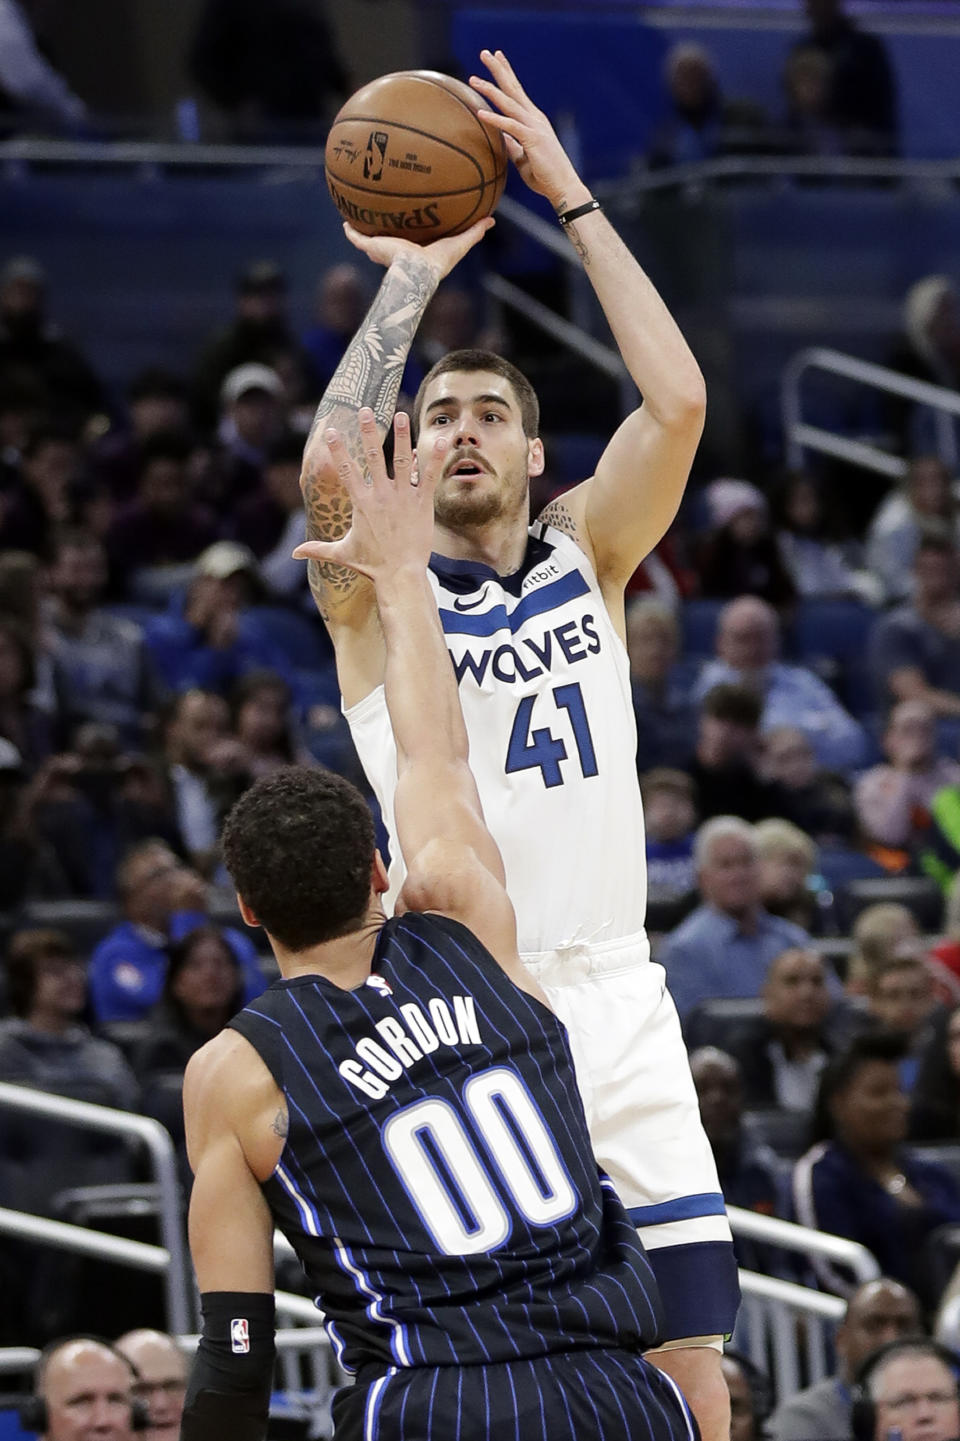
[(459, 509)]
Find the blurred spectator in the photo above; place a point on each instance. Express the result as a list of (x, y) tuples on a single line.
[(251, 418), (162, 901), (18, 842), (22, 409), (263, 723), (260, 327), (31, 344), (935, 1102), (858, 1181), (276, 73), (342, 299), (912, 1390), (163, 525), (925, 496), (161, 1383), (879, 932), (43, 496), (782, 1053), (900, 999), (700, 124), (750, 1396), (741, 556), (670, 818), (748, 639), (915, 649), (203, 988), (208, 638), (810, 126), (749, 1172), (87, 1389), (91, 805), (724, 947), (877, 1313), (156, 405), (929, 349), (862, 95), (23, 722), (816, 563), (790, 885), (893, 800), (724, 766), (45, 1043), (273, 522), (207, 770), (102, 669), (666, 717), (818, 801), (33, 94)]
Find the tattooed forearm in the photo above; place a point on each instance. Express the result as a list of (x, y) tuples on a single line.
[(577, 241), (369, 374), (557, 515)]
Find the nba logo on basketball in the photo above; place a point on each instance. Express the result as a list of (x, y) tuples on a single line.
[(240, 1336)]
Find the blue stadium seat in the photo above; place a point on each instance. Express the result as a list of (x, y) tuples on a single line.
[(838, 867), (698, 621), (303, 643), (838, 629)]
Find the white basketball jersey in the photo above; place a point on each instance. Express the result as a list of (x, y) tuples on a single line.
[(544, 684)]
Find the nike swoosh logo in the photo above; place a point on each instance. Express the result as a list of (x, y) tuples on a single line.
[(459, 604)]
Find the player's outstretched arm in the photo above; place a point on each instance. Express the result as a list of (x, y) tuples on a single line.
[(368, 376), (452, 860), (231, 1241), (624, 510)]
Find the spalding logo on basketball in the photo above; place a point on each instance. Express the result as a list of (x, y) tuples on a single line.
[(409, 155)]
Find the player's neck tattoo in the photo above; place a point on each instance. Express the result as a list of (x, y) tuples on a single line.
[(369, 374)]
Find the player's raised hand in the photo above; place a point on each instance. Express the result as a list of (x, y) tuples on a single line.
[(440, 255), (392, 523), (530, 138)]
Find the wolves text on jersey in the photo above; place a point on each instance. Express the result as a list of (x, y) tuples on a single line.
[(573, 641), (379, 1065)]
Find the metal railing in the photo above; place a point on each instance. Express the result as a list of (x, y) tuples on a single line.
[(175, 1268), (788, 1329), (801, 436), (791, 1237)]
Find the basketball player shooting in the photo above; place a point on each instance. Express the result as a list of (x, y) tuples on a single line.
[(402, 1104), (534, 622)]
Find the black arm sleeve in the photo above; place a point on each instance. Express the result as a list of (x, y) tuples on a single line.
[(228, 1396)]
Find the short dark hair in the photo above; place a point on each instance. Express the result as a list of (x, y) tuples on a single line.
[(24, 950), (735, 703), (876, 1045), (472, 360), (299, 846)]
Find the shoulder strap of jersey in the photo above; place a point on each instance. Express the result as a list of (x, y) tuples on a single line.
[(265, 1036)]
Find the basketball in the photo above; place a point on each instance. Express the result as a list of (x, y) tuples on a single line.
[(409, 155)]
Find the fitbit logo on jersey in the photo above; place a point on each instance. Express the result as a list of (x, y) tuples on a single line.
[(379, 1065), (240, 1336)]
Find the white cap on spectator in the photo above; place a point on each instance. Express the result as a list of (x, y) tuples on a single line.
[(728, 498), (224, 558), (245, 378), (10, 757)]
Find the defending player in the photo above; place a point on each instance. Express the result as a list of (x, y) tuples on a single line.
[(401, 1103), (534, 621)]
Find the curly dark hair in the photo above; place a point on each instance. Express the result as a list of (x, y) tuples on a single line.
[(299, 845)]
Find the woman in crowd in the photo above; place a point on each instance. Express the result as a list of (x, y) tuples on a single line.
[(263, 723), (858, 1181), (202, 990)]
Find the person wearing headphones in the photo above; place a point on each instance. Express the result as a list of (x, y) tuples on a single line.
[(907, 1391), (83, 1391)]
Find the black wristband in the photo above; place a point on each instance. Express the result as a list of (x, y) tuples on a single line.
[(228, 1395), (569, 216)]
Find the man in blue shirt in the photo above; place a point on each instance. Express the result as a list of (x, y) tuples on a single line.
[(725, 946), (748, 639), (162, 901)]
